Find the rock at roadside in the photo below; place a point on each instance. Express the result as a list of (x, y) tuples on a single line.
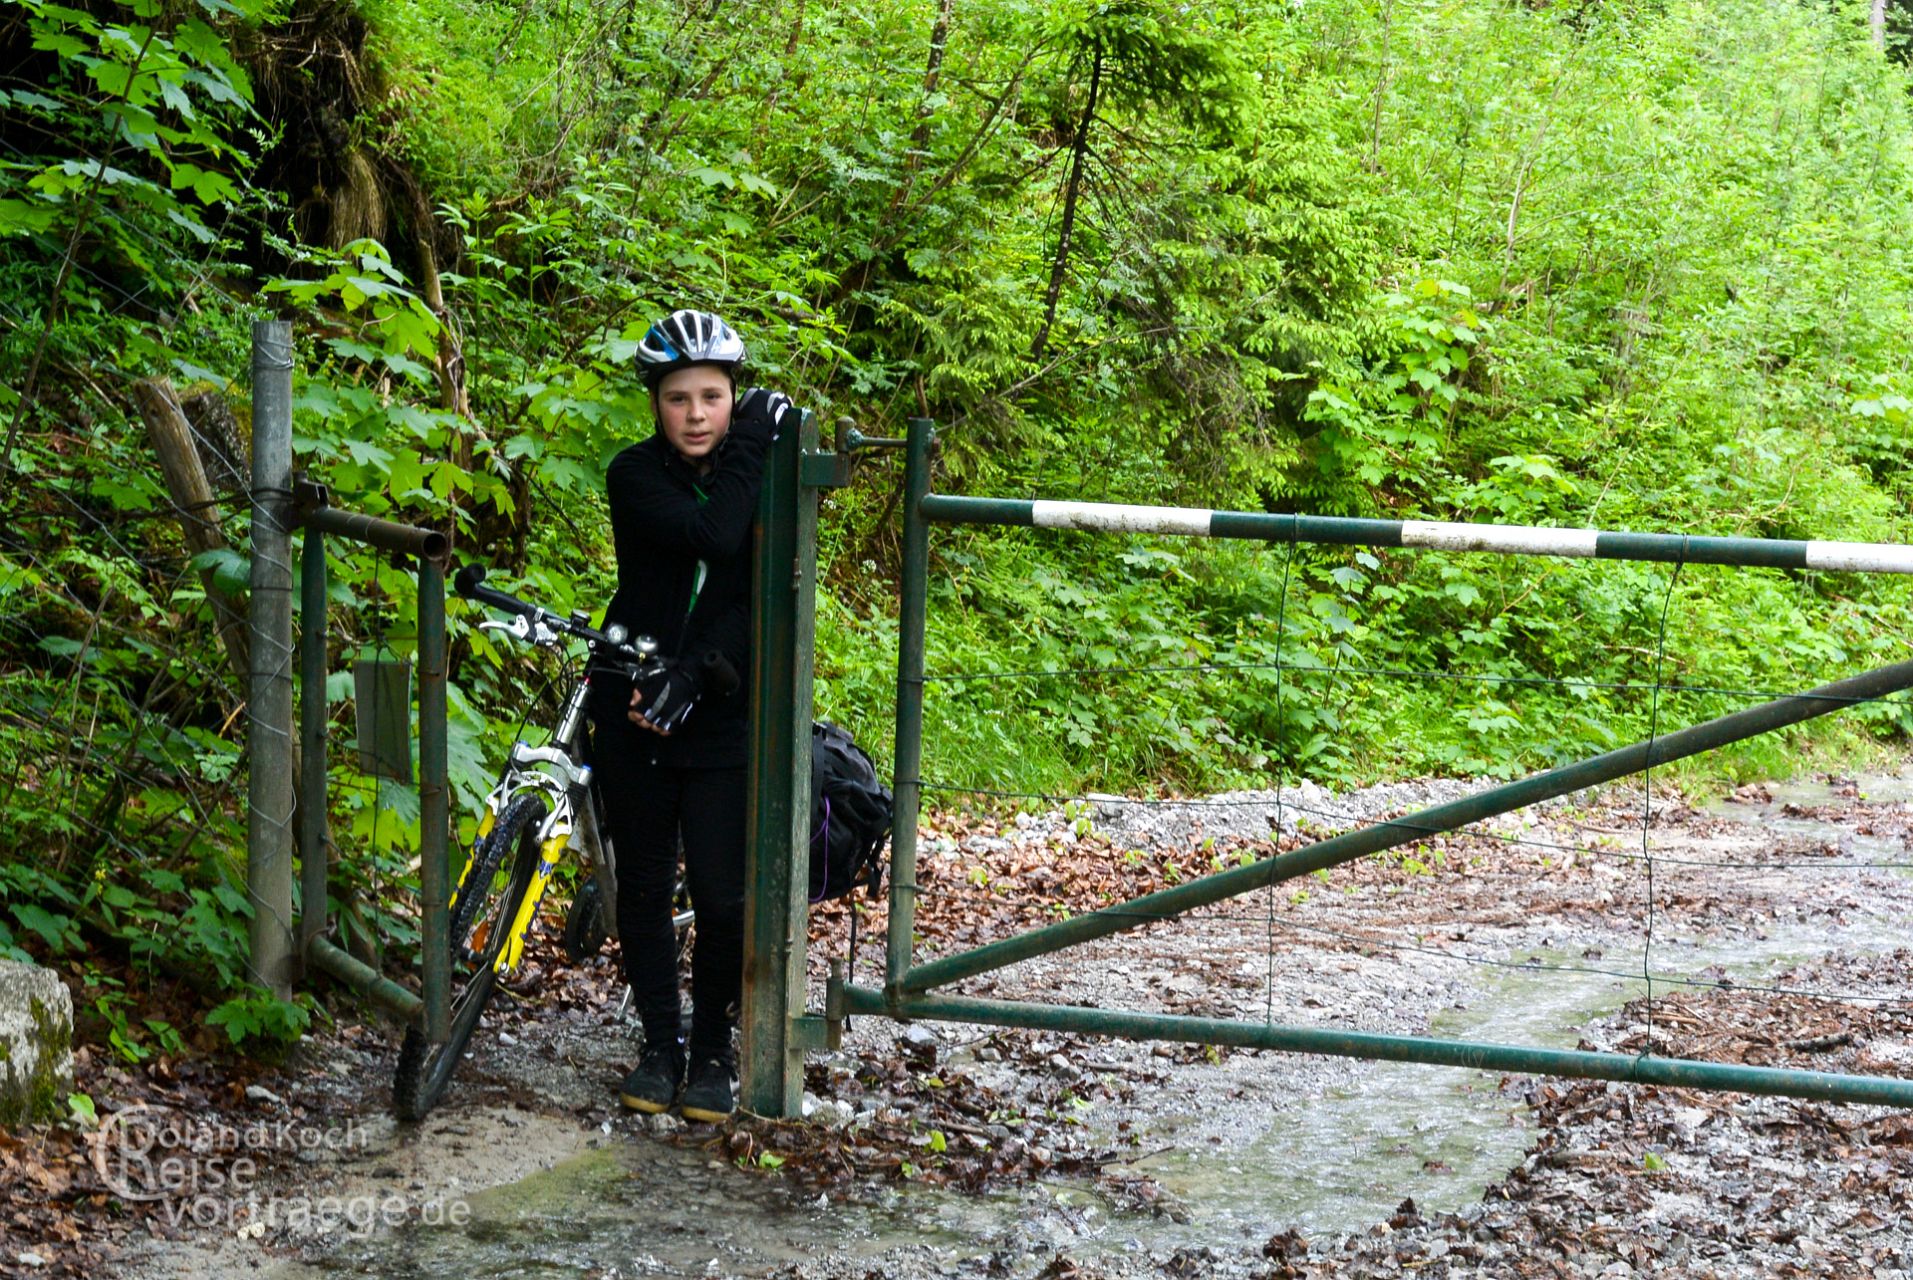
[(36, 1044)]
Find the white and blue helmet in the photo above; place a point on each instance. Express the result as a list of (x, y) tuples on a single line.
[(685, 338)]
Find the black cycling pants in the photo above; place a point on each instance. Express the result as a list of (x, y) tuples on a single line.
[(648, 807)]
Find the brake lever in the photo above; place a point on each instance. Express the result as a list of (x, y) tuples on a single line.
[(524, 630), (518, 628)]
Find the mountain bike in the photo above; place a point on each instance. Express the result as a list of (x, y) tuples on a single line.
[(544, 801)]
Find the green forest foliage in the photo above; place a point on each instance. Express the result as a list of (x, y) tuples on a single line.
[(1620, 265)]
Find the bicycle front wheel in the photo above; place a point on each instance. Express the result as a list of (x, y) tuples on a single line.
[(503, 864)]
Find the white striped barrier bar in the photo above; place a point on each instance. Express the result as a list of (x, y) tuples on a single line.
[(1528, 540)]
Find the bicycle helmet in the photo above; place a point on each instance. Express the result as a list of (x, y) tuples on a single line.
[(685, 338)]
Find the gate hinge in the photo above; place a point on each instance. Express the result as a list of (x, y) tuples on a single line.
[(822, 469)]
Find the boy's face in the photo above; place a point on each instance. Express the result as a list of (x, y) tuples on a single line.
[(694, 409)]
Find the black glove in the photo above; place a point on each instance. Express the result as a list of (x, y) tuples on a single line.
[(668, 694), (759, 414)]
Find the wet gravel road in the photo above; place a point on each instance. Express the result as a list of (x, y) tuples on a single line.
[(1765, 930)]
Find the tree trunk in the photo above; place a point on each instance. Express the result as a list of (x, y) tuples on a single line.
[(796, 32), (1381, 87), (198, 511), (1078, 157), (932, 74), (1878, 23), (448, 363)]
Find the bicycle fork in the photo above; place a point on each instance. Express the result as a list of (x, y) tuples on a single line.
[(514, 949), (567, 782)]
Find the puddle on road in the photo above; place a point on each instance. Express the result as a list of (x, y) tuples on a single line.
[(633, 1207), (1873, 789), (1440, 1135), (1338, 1162)]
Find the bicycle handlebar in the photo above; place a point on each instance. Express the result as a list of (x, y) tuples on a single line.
[(720, 677), (469, 583), (635, 653)]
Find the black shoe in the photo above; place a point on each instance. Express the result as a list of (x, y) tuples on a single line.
[(711, 1094), (653, 1083)]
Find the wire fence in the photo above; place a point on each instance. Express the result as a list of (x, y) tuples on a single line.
[(123, 707), (1662, 886), (124, 694), (123, 767), (124, 792), (121, 711)]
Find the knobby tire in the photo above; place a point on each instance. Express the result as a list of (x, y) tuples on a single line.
[(425, 1069)]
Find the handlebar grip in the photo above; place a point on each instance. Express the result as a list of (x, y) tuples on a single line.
[(468, 582), (720, 677)]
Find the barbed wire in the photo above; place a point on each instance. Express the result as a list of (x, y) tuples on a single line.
[(104, 209), (72, 643), (105, 672), (110, 781)]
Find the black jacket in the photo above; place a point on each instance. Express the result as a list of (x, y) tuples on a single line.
[(666, 521)]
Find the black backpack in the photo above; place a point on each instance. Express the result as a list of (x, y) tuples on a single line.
[(849, 815)]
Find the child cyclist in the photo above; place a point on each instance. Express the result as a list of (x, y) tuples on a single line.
[(670, 751)]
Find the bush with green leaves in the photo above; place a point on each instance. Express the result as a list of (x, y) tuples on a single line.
[(1621, 266)]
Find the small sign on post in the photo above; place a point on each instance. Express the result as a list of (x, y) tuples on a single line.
[(382, 700)]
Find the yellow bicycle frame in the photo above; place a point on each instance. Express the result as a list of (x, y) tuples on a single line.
[(514, 949)]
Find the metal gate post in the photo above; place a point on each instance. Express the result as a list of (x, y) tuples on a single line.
[(318, 518), (906, 790), (434, 802), (312, 719), (775, 908), (269, 718)]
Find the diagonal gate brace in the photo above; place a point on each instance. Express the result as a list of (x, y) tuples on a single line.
[(1165, 903), (907, 998)]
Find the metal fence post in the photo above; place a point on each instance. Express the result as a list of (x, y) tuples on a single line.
[(269, 702), (775, 908), (906, 790), (312, 720)]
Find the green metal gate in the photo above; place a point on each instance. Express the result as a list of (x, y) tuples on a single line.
[(777, 1030), (910, 989)]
